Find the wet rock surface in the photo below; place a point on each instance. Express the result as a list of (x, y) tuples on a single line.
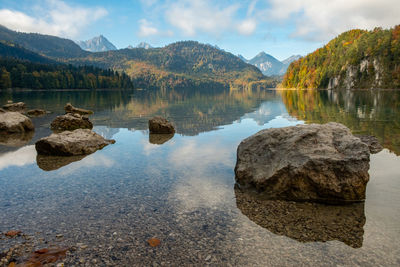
[(159, 139), (323, 163), (36, 112), (14, 122), (372, 142), (70, 143), (15, 107), (71, 109), (304, 221), (160, 125), (70, 122)]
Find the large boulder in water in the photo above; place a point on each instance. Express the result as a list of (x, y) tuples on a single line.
[(160, 125), (70, 122), (323, 163), (71, 109), (70, 143), (15, 107), (14, 122)]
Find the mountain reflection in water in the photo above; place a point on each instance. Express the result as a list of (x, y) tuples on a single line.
[(181, 190), (365, 112)]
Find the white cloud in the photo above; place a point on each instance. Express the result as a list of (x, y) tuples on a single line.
[(52, 17), (147, 29), (205, 16), (324, 19), (149, 3), (247, 27)]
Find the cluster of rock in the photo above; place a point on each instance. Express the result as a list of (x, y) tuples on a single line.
[(72, 135), (318, 163), (72, 132)]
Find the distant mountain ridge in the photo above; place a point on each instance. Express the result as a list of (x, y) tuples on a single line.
[(97, 44), (182, 64), (269, 65), (144, 45), (291, 59)]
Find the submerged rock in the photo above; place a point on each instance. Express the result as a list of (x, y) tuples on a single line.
[(36, 112), (160, 125), (159, 139), (70, 122), (70, 143), (372, 142), (305, 221), (14, 122), (323, 163), (71, 109), (16, 107), (51, 163)]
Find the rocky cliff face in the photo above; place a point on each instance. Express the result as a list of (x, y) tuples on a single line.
[(355, 76)]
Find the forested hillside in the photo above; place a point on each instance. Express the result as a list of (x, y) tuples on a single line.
[(21, 68), (354, 59), (48, 45), (177, 64)]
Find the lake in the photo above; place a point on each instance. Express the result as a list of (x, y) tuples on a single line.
[(181, 190)]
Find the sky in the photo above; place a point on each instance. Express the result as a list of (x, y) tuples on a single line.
[(279, 27)]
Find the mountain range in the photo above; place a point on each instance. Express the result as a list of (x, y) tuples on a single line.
[(182, 64), (269, 65), (97, 44)]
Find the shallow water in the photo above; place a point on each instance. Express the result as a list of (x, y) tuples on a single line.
[(181, 190)]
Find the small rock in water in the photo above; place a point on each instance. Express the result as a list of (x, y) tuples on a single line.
[(70, 122), (71, 109), (15, 122), (78, 142), (16, 107), (160, 125), (36, 112)]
